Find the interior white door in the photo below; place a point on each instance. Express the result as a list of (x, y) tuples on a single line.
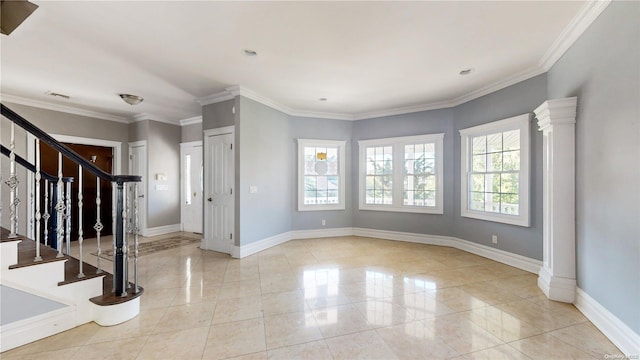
[(219, 204), (193, 191), (138, 166)]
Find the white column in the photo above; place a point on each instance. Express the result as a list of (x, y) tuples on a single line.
[(557, 277)]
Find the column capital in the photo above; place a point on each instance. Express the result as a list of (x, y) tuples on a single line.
[(557, 111)]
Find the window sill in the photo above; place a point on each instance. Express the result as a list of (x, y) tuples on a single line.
[(504, 219)]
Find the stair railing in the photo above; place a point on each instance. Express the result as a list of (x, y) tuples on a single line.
[(42, 213), (58, 189)]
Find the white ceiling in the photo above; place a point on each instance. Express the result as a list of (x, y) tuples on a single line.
[(366, 58)]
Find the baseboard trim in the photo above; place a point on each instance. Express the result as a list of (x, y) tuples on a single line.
[(161, 230), (321, 233), (557, 288), (618, 332), (518, 261), (38, 327), (240, 252)]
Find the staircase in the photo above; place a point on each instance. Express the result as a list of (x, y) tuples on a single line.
[(43, 289)]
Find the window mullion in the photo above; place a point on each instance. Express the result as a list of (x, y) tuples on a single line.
[(398, 174)]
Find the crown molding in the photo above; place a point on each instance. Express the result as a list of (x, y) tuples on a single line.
[(189, 121), (404, 110), (499, 85), (237, 90), (152, 117), (583, 19), (215, 98), (61, 108)]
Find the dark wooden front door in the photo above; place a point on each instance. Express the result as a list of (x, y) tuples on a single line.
[(103, 160)]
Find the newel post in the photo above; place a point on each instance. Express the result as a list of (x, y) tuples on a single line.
[(556, 120)]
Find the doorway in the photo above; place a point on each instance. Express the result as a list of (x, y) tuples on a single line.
[(219, 183), (138, 166), (192, 186)]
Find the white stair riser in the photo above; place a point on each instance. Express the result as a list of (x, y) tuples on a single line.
[(45, 275), (8, 253)]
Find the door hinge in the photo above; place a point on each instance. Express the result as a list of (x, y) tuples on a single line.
[(231, 236), (130, 157), (231, 191), (231, 147)]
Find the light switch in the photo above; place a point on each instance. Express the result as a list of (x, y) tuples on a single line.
[(253, 189)]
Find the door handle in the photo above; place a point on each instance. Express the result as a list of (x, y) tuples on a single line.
[(141, 196), (209, 199)]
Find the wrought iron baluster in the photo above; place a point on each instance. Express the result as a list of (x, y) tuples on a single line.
[(13, 182), (136, 230), (125, 245), (37, 215), (114, 228), (98, 226), (46, 215), (67, 217), (60, 207), (80, 232)]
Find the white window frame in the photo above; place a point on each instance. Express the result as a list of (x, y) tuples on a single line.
[(341, 145), (398, 144), (520, 122)]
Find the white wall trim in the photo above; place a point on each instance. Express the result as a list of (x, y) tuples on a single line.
[(215, 98), (144, 219), (613, 328), (219, 131), (581, 22), (183, 147), (62, 108), (192, 120), (161, 230), (240, 252), (518, 261), (38, 327), (321, 233)]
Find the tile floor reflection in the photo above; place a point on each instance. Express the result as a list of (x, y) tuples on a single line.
[(332, 298)]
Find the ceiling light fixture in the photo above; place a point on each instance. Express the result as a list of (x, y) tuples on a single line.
[(466, 71), (249, 52), (131, 99)]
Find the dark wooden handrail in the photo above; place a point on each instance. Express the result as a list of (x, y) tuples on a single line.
[(55, 144), (29, 166)]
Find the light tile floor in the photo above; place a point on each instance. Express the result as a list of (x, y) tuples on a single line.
[(333, 298)]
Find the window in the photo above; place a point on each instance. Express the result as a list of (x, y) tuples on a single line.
[(402, 174), (321, 175), (495, 171)]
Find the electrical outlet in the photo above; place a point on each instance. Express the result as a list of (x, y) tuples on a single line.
[(324, 222), (494, 239)]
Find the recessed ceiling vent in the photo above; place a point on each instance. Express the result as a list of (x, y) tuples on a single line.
[(58, 95)]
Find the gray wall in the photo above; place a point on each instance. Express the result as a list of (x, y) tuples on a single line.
[(218, 115), (265, 161), (138, 131), (192, 132), (425, 122), (602, 69), (517, 99), (163, 152), (324, 129)]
